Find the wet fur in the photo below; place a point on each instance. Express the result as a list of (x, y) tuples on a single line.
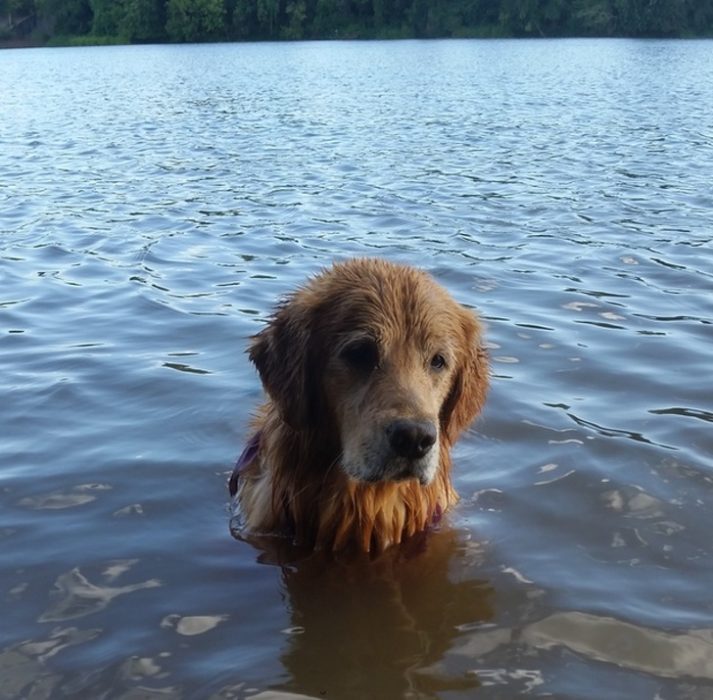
[(322, 473)]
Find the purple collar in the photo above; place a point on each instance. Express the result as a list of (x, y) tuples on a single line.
[(245, 459)]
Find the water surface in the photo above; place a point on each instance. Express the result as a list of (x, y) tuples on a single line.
[(156, 201)]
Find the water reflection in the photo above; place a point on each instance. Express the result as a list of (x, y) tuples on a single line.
[(380, 628), (23, 667), (77, 596), (673, 655), (78, 496)]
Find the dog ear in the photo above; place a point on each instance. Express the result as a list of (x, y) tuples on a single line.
[(470, 385), (284, 355)]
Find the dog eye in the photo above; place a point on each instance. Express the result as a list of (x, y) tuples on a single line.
[(438, 362), (362, 355)]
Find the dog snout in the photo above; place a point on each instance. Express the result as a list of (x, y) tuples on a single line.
[(411, 439)]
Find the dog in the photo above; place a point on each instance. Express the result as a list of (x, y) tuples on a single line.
[(372, 371)]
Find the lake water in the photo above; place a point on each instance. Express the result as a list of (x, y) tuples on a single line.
[(154, 204)]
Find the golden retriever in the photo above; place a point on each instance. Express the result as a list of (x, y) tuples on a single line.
[(372, 371)]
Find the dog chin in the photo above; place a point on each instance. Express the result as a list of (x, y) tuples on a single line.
[(397, 470)]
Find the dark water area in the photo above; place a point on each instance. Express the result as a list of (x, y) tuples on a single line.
[(156, 201)]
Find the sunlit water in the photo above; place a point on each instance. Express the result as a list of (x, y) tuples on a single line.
[(156, 201)]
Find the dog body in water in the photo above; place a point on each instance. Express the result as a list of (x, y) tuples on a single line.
[(372, 371)]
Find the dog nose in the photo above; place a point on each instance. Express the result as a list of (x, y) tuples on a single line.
[(411, 438)]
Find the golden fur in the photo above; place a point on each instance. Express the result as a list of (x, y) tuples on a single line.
[(365, 350)]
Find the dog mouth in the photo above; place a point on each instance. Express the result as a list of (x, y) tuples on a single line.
[(410, 473), (396, 470), (403, 451)]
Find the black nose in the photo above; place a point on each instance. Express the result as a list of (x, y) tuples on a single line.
[(411, 438)]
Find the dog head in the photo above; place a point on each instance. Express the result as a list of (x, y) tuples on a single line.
[(382, 357)]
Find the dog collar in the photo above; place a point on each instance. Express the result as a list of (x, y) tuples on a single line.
[(246, 458)]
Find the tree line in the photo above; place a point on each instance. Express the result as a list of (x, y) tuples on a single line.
[(141, 21)]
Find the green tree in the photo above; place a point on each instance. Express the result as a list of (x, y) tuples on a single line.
[(106, 15), (64, 17), (199, 20), (296, 13), (267, 15), (700, 17), (534, 17), (195, 20), (17, 17), (666, 17), (244, 21), (326, 19), (14, 11), (418, 17), (593, 18), (143, 20)]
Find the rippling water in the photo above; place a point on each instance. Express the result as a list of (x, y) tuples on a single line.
[(156, 201)]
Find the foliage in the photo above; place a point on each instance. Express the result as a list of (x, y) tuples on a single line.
[(195, 20), (143, 20), (203, 20), (84, 40), (63, 17)]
